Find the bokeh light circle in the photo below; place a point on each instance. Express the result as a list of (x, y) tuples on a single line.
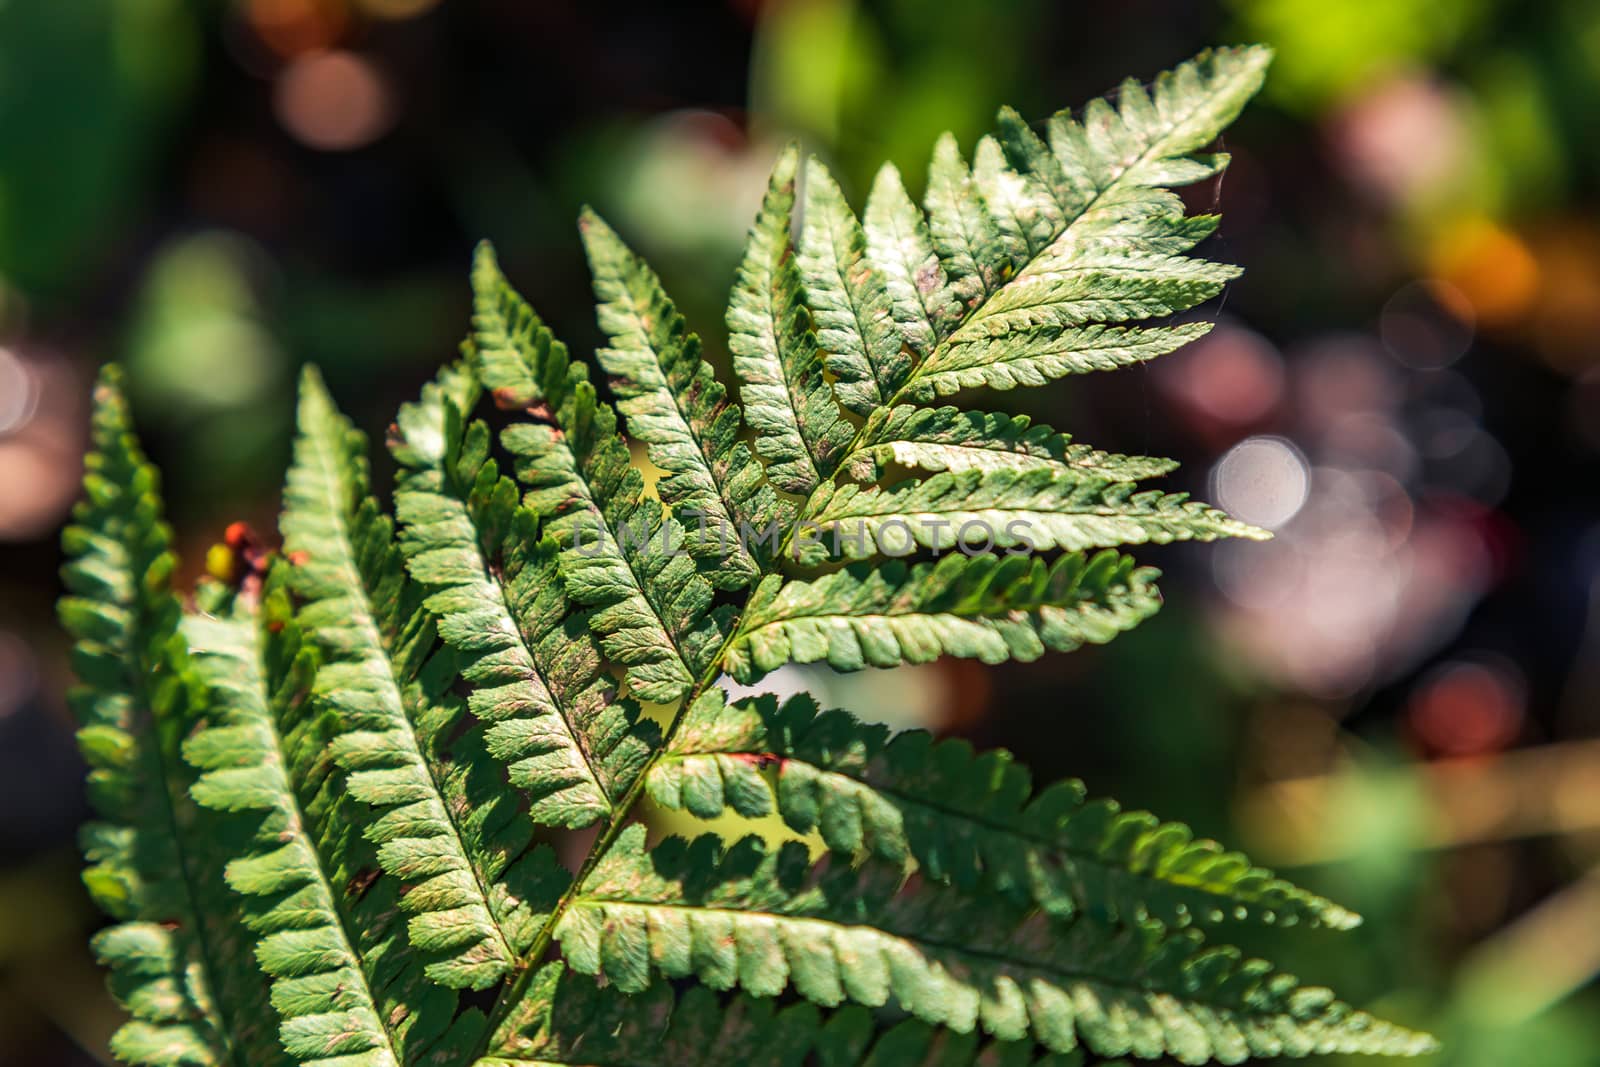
[(334, 101), (1427, 325), (1262, 480), (19, 393)]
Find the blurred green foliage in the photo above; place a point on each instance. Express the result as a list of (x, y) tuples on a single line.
[(1329, 52), (88, 90)]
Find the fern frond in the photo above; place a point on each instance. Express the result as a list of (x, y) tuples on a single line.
[(675, 405), (619, 554), (566, 1019), (538, 686), (179, 959), (767, 920), (353, 761), (989, 608), (967, 818), (368, 620), (800, 430), (1066, 242), (1036, 510), (950, 439), (848, 299)]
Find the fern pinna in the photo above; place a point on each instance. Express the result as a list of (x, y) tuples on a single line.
[(331, 784)]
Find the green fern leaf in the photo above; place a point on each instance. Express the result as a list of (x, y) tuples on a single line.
[(367, 618), (765, 921), (950, 439), (320, 989), (1029, 155), (619, 554), (1072, 238), (1025, 215), (305, 851), (675, 405), (967, 819), (1035, 510), (800, 431), (179, 959), (965, 237), (849, 1039), (1050, 351), (989, 608), (848, 299), (566, 1019), (550, 712), (900, 246)]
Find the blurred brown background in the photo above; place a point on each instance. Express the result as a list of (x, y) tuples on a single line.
[(1394, 701)]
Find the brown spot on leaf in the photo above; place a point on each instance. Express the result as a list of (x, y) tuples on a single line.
[(360, 882), (508, 399)]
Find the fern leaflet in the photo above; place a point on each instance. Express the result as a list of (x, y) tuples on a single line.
[(178, 954)]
